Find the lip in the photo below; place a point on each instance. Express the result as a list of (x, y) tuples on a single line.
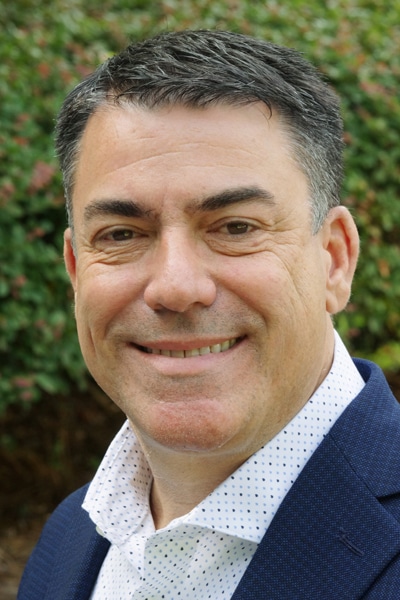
[(184, 349), (175, 366), (189, 350)]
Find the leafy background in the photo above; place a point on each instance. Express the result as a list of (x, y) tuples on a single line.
[(55, 423)]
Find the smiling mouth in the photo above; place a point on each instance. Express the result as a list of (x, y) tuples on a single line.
[(213, 349)]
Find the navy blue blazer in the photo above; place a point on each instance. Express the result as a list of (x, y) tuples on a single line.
[(336, 535)]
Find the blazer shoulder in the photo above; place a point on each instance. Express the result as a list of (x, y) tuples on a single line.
[(368, 432), (68, 537)]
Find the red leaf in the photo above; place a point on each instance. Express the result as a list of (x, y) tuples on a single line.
[(42, 175)]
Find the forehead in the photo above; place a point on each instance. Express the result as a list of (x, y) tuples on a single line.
[(156, 131), (182, 151)]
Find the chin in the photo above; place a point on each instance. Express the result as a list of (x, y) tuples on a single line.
[(183, 433)]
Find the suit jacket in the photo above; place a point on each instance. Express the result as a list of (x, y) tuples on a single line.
[(336, 535)]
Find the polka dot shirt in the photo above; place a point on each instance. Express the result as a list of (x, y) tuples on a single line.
[(205, 553)]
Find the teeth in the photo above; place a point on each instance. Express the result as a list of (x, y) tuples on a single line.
[(205, 350), (194, 352), (215, 349)]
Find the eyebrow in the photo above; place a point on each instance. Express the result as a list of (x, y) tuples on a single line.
[(132, 209), (122, 208), (234, 196)]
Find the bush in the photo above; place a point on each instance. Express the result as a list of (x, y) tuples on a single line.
[(48, 47)]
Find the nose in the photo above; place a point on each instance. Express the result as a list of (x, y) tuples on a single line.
[(179, 277)]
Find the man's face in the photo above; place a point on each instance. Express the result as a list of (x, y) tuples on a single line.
[(200, 291)]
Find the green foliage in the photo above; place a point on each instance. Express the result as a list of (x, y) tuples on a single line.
[(46, 48)]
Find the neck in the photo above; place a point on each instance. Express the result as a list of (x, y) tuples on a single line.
[(181, 483)]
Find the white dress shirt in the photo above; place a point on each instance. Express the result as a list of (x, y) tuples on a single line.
[(203, 554)]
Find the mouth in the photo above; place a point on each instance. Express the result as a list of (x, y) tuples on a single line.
[(190, 352)]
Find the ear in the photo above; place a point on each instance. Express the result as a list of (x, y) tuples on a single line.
[(69, 257), (341, 242)]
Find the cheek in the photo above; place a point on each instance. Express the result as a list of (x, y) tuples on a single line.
[(104, 293), (264, 284), (286, 290)]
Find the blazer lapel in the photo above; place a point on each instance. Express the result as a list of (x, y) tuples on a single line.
[(79, 561), (332, 536)]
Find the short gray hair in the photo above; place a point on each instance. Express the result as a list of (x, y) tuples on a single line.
[(202, 68)]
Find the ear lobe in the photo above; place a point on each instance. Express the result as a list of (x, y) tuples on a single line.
[(69, 257), (341, 242)]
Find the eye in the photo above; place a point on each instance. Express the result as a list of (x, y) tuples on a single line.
[(237, 227), (121, 235)]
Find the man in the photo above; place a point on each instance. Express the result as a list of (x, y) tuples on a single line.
[(208, 252)]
